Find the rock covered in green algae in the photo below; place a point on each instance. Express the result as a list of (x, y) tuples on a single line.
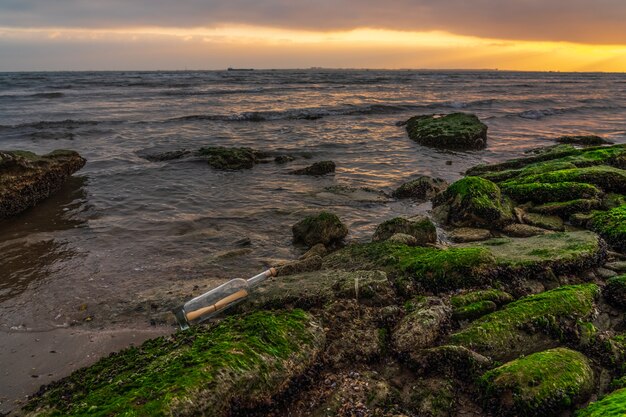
[(567, 208), (544, 221), (611, 225), (545, 193), (223, 158), (452, 131), (615, 291), (612, 405), (520, 327), (475, 304), (242, 361), (403, 239), (27, 178), (420, 227), (431, 268), (421, 188), (325, 228), (474, 202), (540, 384), (317, 169), (422, 326), (584, 140)]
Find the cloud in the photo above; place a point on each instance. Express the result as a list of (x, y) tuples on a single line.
[(598, 21)]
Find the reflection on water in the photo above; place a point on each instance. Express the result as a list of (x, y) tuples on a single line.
[(31, 247)]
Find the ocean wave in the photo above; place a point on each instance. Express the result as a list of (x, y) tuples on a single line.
[(45, 124), (47, 95)]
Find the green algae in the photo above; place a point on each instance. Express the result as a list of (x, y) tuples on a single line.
[(615, 291), (456, 130), (539, 384), (199, 371), (474, 310), (605, 177), (567, 208), (612, 405), (611, 225), (422, 229), (435, 269), (544, 193), (476, 304), (503, 332)]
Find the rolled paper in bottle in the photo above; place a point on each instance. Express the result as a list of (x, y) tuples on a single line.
[(221, 304)]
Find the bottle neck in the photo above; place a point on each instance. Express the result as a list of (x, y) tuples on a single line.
[(257, 279)]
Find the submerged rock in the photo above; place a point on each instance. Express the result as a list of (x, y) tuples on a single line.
[(317, 169), (420, 227), (325, 228), (452, 131), (223, 158), (584, 140), (474, 202), (540, 384), (27, 178), (421, 188), (243, 361)]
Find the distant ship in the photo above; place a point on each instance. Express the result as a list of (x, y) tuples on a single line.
[(240, 69)]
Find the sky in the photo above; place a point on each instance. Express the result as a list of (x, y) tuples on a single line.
[(549, 35)]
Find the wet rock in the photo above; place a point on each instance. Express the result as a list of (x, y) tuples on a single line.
[(168, 156), (615, 291), (420, 227), (283, 159), (26, 178), (245, 360), (317, 250), (423, 326), (584, 140), (523, 230), (325, 228), (403, 239), (567, 208), (317, 169), (452, 131), (468, 234), (544, 222), (541, 384), (618, 266), (421, 188), (311, 263), (229, 159), (474, 202), (361, 194), (520, 327), (455, 361), (605, 273)]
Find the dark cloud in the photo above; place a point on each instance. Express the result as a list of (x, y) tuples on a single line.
[(597, 21)]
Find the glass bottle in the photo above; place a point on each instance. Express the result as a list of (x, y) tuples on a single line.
[(218, 299)]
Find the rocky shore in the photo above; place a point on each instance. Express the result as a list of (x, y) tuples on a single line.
[(507, 301)]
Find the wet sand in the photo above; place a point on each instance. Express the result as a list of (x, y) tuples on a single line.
[(54, 354)]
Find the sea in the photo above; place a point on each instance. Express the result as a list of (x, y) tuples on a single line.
[(125, 226)]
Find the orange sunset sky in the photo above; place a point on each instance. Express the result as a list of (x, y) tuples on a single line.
[(555, 35)]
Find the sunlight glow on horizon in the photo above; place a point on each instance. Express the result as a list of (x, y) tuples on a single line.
[(434, 49)]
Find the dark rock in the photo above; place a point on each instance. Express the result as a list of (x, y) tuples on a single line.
[(421, 188), (421, 228), (423, 326), (227, 159), (452, 131), (317, 169), (325, 228), (615, 291), (317, 250), (27, 178), (283, 159), (584, 140), (168, 156)]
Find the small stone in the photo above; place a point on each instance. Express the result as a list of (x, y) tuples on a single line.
[(403, 239), (317, 169), (421, 188), (619, 266)]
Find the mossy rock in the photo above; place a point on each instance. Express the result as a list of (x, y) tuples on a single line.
[(544, 221), (584, 140), (421, 188), (611, 225), (525, 326), (227, 159), (325, 228), (540, 384), (567, 208), (607, 178), (615, 291), (423, 326), (540, 193), (562, 252), (452, 131), (317, 169), (612, 405), (243, 361), (474, 202), (523, 230), (431, 268), (451, 361), (475, 304), (421, 228), (27, 179)]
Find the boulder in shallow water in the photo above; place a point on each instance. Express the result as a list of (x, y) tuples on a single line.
[(325, 228), (317, 169), (584, 140), (421, 188), (27, 178), (420, 227), (452, 131), (228, 159)]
